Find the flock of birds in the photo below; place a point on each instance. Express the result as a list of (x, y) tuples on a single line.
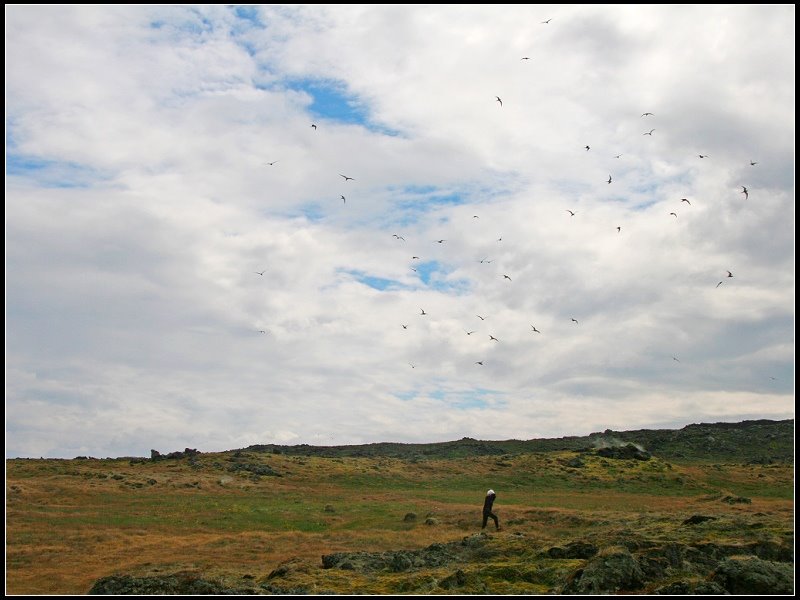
[(587, 148)]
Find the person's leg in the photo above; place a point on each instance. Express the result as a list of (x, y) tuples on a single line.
[(496, 520), (485, 520)]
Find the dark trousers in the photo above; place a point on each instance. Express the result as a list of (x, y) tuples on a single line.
[(486, 516)]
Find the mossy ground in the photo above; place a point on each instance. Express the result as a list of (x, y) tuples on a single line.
[(71, 522)]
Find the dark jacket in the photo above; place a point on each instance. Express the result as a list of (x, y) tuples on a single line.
[(487, 504)]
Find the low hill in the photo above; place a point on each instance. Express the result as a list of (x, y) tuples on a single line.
[(754, 442)]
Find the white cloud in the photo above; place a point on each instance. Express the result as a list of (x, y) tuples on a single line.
[(139, 208)]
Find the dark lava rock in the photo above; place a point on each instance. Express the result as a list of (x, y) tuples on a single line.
[(736, 500), (188, 584), (613, 572), (627, 451), (697, 519), (752, 575), (575, 463), (410, 517), (457, 579), (573, 550), (698, 588)]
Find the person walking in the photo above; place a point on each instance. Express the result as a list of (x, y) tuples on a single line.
[(487, 510)]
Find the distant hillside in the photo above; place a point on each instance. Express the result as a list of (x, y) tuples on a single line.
[(761, 441)]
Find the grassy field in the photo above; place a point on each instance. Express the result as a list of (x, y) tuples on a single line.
[(71, 522)]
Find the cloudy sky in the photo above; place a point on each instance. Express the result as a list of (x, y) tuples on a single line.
[(167, 287)]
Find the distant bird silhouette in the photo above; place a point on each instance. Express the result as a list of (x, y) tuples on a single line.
[(415, 258), (491, 337), (752, 164), (587, 148), (744, 191), (413, 269), (399, 237), (440, 241), (647, 114), (617, 155), (344, 201), (576, 320), (674, 215), (703, 155), (314, 126), (719, 284), (345, 177), (259, 273), (468, 332), (422, 312), (609, 179), (403, 326), (261, 331), (485, 260), (685, 200), (525, 58), (536, 330), (272, 163), (571, 214), (500, 101), (481, 318), (479, 362), (545, 22), (675, 359), (730, 274), (412, 366), (619, 229), (649, 132), (475, 217), (499, 239), (507, 277)]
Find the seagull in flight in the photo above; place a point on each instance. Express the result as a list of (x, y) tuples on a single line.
[(609, 179), (344, 201), (439, 241), (272, 163), (261, 331), (546, 22), (415, 258), (491, 337), (744, 191), (617, 155), (525, 58), (481, 318), (413, 366), (719, 284), (259, 273), (587, 148), (571, 214), (647, 114), (485, 260), (536, 330), (753, 164), (423, 312), (345, 177), (468, 332), (507, 277), (479, 362), (314, 126), (685, 200), (576, 320), (675, 359), (649, 132), (500, 101), (619, 229), (703, 155), (403, 326), (674, 215), (730, 274), (399, 237), (475, 217)]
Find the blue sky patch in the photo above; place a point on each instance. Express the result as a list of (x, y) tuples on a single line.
[(377, 283), (50, 173)]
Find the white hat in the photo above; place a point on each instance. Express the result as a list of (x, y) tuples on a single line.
[(490, 493)]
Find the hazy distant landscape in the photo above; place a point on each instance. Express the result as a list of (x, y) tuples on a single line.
[(704, 509)]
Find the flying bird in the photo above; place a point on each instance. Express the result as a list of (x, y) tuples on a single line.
[(491, 337), (412, 366), (261, 331), (475, 217), (571, 214), (415, 258), (403, 326), (399, 237), (485, 260), (544, 22), (499, 239), (525, 58), (507, 277), (413, 269), (609, 179), (674, 215), (536, 330), (703, 155), (259, 273), (685, 200), (479, 362), (422, 312), (587, 148), (500, 101), (617, 155), (345, 177), (314, 126), (675, 359), (469, 332), (619, 229), (730, 274), (481, 318), (647, 114), (753, 164), (344, 201), (719, 284), (440, 241), (649, 132), (576, 320), (744, 191), (272, 163)]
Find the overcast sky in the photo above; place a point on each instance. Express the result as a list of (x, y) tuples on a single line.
[(141, 212)]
